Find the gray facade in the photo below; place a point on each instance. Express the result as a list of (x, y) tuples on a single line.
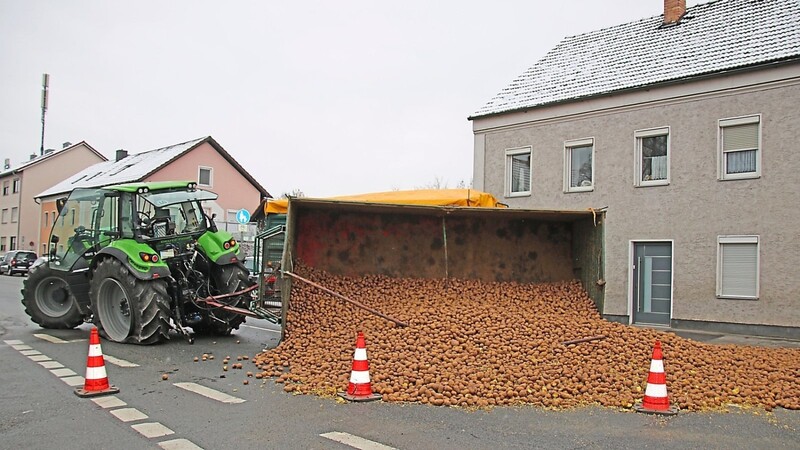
[(693, 210)]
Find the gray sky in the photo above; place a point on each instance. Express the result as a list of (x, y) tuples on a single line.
[(328, 97)]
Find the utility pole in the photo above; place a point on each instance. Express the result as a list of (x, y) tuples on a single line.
[(45, 86)]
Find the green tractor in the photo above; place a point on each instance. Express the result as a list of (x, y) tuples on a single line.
[(139, 260)]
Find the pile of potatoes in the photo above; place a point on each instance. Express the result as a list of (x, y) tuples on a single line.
[(481, 344)]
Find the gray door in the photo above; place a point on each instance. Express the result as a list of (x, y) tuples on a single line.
[(652, 282)]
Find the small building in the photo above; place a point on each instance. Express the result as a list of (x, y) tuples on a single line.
[(201, 159), (20, 215), (684, 126)]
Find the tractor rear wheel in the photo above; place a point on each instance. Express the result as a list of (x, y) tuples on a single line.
[(226, 279), (48, 300), (127, 309)]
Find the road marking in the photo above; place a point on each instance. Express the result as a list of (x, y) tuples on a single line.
[(63, 372), (261, 328), (152, 430), (355, 441), (21, 347), (119, 362), (108, 402), (39, 358), (48, 338), (128, 414), (30, 352), (74, 381), (13, 342), (210, 393), (179, 444), (51, 364)]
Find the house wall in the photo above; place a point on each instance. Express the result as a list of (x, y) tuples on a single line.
[(234, 190), (694, 208), (34, 179)]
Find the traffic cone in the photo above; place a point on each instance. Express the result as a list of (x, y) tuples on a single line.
[(656, 400), (96, 380), (359, 389)]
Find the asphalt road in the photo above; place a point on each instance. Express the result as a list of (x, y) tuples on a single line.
[(40, 411)]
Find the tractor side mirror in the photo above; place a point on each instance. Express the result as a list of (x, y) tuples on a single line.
[(60, 202)]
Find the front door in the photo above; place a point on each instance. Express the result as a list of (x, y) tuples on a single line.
[(652, 282)]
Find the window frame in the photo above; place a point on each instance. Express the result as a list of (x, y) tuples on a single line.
[(570, 145), (15, 185), (6, 187), (510, 153), (210, 176), (738, 239), (638, 135), (722, 174), (14, 214)]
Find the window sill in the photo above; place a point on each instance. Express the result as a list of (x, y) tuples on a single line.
[(735, 297), (642, 184), (748, 176), (579, 189), (518, 194)]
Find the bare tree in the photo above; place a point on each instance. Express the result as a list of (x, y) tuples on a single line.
[(294, 193)]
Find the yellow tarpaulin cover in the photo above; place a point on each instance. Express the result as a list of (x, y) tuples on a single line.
[(425, 197)]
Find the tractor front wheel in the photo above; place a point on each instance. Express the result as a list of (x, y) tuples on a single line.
[(127, 309), (48, 300)]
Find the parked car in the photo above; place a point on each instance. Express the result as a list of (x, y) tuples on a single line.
[(17, 261)]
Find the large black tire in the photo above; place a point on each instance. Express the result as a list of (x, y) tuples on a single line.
[(226, 279), (49, 301), (127, 309)]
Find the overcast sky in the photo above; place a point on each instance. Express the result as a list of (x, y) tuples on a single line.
[(326, 97)]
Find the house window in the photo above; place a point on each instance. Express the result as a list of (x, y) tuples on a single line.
[(15, 186), (518, 172), (652, 157), (2, 244), (204, 176), (739, 148), (578, 165), (14, 214), (46, 220), (737, 267), (5, 187), (12, 243), (4, 215)]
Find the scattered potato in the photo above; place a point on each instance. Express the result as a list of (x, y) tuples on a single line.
[(480, 344)]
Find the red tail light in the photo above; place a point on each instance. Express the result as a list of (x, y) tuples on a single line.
[(13, 262)]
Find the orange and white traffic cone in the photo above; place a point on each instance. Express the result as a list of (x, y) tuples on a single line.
[(96, 380), (359, 389), (656, 400)]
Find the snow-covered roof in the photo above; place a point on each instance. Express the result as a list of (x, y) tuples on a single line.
[(126, 170), (712, 37), (39, 158)]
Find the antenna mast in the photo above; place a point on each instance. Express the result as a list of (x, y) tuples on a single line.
[(45, 86)]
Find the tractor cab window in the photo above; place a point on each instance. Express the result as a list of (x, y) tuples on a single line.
[(169, 213), (92, 212)]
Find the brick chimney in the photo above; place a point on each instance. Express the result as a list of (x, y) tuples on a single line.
[(673, 11), (121, 154)]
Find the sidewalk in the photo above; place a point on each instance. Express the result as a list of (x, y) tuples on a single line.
[(737, 339)]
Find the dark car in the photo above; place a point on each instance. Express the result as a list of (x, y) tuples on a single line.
[(17, 261)]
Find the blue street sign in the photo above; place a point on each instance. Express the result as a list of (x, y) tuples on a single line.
[(243, 216)]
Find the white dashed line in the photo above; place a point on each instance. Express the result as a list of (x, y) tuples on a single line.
[(13, 342), (179, 444), (152, 430), (128, 414), (355, 441), (30, 352), (21, 347), (108, 402), (74, 381), (63, 372), (119, 362), (48, 338), (51, 364), (210, 393), (39, 358)]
